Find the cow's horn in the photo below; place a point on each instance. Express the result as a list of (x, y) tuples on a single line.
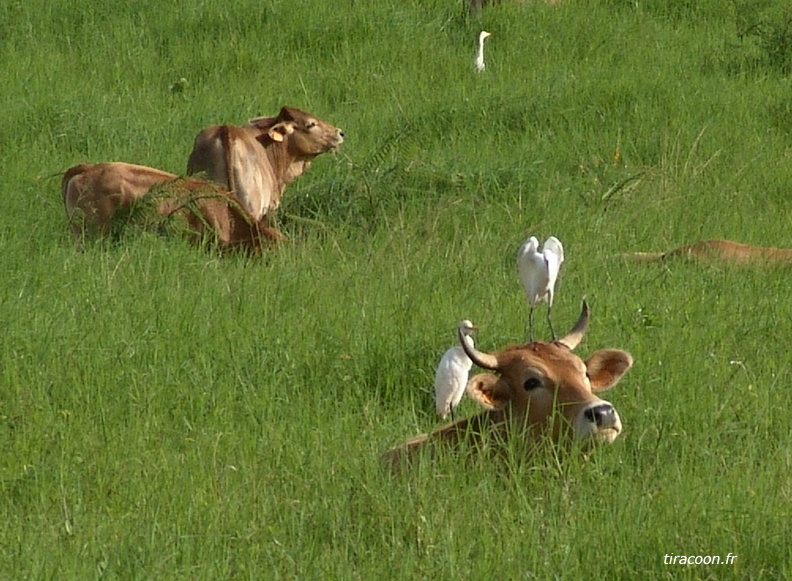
[(575, 336), (485, 360)]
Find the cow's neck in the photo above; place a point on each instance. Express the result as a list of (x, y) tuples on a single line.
[(286, 166)]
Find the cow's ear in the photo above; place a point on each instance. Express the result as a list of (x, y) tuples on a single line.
[(489, 390), (279, 131), (606, 367)]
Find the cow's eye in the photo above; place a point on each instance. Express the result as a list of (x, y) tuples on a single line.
[(532, 383), (310, 125)]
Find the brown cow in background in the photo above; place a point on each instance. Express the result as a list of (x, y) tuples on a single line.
[(257, 161), (719, 251)]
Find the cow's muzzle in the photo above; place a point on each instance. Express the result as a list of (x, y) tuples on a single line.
[(598, 421)]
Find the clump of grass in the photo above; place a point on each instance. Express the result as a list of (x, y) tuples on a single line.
[(770, 28)]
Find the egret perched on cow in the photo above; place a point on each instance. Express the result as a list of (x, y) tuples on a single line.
[(538, 271), (452, 374), (479, 62)]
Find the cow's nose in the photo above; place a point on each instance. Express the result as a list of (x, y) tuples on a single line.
[(340, 133), (603, 415)]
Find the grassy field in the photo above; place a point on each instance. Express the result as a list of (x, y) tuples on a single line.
[(169, 414)]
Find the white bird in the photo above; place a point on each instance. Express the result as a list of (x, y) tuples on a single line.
[(452, 374), (538, 273), (479, 62)]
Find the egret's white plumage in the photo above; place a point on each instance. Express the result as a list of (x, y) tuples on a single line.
[(538, 271), (479, 62), (452, 374)]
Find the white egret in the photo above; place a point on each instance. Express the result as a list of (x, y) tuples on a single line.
[(452, 374), (479, 62), (538, 273)]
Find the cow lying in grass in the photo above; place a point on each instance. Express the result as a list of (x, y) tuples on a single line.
[(719, 251), (539, 392), (103, 198)]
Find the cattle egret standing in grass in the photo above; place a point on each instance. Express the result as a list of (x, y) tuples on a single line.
[(452, 374), (538, 274), (480, 65)]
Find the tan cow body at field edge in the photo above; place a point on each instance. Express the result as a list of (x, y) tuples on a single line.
[(719, 250), (540, 391), (257, 161), (93, 194)]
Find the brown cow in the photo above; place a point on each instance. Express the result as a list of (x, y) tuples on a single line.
[(257, 161), (539, 392), (719, 251), (96, 196)]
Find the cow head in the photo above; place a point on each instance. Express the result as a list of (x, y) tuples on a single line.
[(303, 134), (539, 392), (550, 391)]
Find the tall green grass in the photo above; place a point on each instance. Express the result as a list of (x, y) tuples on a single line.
[(169, 414)]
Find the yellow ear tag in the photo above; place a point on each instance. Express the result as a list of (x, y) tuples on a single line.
[(275, 135)]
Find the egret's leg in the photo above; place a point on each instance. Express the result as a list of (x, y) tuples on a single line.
[(550, 322), (530, 325), (452, 409)]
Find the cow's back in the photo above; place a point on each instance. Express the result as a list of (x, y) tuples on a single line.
[(92, 193), (734, 252), (471, 430), (716, 250)]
